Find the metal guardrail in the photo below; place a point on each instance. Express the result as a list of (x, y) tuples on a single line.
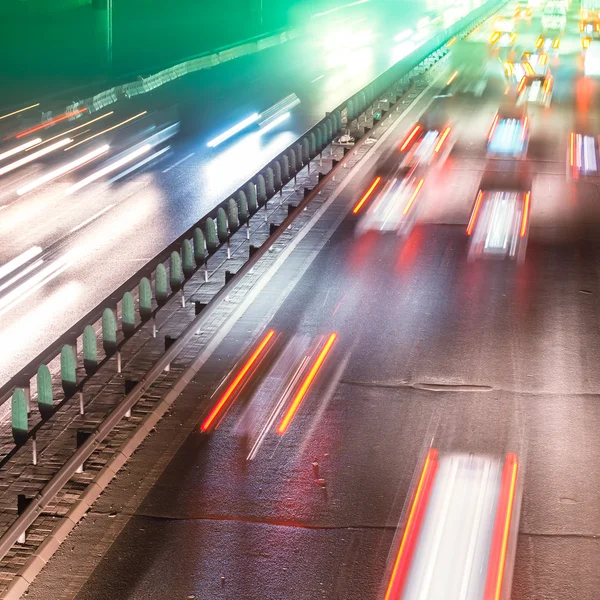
[(11, 536), (191, 250)]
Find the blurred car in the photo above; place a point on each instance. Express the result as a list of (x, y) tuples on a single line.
[(509, 133), (459, 539), (499, 222), (550, 44), (583, 156), (536, 81), (504, 34), (428, 143)]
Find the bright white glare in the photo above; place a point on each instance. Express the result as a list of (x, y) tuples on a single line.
[(62, 170), (109, 169), (34, 156), (20, 148), (16, 262), (235, 129), (402, 50), (403, 35), (280, 119), (34, 283)]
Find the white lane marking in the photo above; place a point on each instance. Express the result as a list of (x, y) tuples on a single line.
[(317, 78), (178, 163), (92, 218)]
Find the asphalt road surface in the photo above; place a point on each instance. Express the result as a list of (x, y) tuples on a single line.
[(485, 356)]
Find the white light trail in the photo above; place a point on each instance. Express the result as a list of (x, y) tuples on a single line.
[(92, 218), (16, 262), (34, 156), (34, 283), (235, 129), (64, 169), (280, 119), (108, 169), (20, 148)]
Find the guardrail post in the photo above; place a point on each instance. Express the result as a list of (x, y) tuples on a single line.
[(81, 437), (169, 341), (44, 391), (22, 503), (90, 351), (68, 371), (129, 385), (34, 450)]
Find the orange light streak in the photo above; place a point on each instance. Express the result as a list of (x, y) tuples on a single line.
[(494, 123), (497, 563), (474, 213), (454, 76), (236, 382), (412, 198), (572, 150), (367, 195), (415, 516), (291, 411), (525, 215), (49, 123), (442, 139), (410, 137)]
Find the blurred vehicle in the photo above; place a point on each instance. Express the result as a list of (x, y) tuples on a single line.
[(554, 18), (591, 64), (509, 133), (470, 67), (583, 155), (504, 35), (461, 530), (536, 82), (523, 12), (427, 143), (499, 222)]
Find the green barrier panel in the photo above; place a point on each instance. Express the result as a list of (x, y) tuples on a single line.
[(187, 254), (145, 291), (44, 391), (285, 168), (291, 154), (261, 190), (68, 370), (319, 137), (211, 235), (312, 144), (232, 215), (128, 313), (199, 246), (222, 232), (20, 422), (109, 331), (298, 152), (243, 209), (305, 151), (269, 181), (90, 350), (175, 272), (160, 285), (277, 175)]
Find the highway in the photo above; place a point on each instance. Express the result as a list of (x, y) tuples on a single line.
[(483, 356), (95, 238)]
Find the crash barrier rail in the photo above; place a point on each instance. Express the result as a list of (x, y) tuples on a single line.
[(169, 271), (144, 85), (171, 268)]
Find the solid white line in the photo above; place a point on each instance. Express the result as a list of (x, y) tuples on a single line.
[(178, 162), (92, 218), (317, 78)]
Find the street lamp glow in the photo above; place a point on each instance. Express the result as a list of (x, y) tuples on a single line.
[(235, 129)]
